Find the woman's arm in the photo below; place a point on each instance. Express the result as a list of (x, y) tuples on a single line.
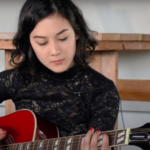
[(104, 110), (6, 85)]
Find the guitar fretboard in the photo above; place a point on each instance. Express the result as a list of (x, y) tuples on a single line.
[(116, 138)]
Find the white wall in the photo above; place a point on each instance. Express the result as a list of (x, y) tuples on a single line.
[(105, 16), (122, 16)]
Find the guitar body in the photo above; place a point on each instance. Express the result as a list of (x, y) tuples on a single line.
[(24, 126)]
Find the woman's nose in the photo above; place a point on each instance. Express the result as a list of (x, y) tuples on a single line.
[(54, 50)]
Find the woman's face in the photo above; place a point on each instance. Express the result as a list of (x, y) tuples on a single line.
[(54, 43)]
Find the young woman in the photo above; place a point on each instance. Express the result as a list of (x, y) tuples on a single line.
[(51, 75)]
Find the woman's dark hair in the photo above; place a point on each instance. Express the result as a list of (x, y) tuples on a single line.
[(34, 11)]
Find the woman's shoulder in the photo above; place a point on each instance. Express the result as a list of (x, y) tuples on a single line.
[(8, 73), (98, 78)]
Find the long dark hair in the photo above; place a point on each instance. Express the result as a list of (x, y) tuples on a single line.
[(34, 11)]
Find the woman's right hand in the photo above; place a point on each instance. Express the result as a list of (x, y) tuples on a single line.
[(2, 133)]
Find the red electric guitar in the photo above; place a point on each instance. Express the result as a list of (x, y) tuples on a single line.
[(28, 132)]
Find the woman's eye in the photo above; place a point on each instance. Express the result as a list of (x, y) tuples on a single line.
[(42, 44), (64, 39)]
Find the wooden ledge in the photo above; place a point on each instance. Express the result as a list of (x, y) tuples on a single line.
[(107, 41), (99, 36), (134, 90)]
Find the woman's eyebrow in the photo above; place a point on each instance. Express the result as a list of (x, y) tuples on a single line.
[(37, 36), (43, 37), (62, 31)]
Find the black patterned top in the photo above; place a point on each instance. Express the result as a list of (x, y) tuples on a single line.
[(74, 100)]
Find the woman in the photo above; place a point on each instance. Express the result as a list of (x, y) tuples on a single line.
[(53, 78)]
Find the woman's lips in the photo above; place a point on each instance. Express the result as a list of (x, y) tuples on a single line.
[(57, 62)]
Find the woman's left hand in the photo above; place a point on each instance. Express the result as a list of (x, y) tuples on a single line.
[(90, 142)]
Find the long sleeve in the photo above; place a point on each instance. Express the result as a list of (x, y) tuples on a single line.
[(104, 110), (73, 101), (6, 85)]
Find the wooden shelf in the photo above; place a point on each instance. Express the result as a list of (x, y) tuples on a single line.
[(134, 90), (106, 41)]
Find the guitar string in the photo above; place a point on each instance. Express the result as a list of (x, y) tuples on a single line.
[(46, 142), (65, 139), (108, 132), (37, 142), (47, 148), (110, 136), (44, 146)]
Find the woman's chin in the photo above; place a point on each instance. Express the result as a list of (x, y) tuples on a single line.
[(59, 69)]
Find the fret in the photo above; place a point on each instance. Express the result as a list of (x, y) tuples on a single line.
[(121, 137), (20, 146), (24, 145), (36, 145), (13, 147), (46, 144), (62, 143), (76, 143), (69, 142), (9, 147), (56, 144), (50, 144), (114, 142), (40, 145), (33, 145), (17, 146), (28, 146)]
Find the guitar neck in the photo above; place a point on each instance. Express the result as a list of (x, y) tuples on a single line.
[(116, 138)]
